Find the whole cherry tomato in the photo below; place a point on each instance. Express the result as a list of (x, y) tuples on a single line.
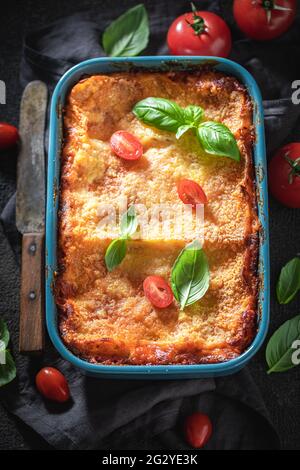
[(199, 33), (52, 384), (9, 135), (158, 291), (198, 429), (126, 145), (264, 19), (191, 192), (284, 175)]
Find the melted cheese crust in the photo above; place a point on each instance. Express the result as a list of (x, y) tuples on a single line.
[(104, 317)]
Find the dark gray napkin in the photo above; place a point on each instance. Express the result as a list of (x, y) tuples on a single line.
[(147, 414)]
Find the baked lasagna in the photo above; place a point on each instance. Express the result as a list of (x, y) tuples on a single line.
[(104, 316)]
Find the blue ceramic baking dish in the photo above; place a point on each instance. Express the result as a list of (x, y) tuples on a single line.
[(166, 63)]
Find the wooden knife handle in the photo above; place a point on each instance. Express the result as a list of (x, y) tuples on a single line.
[(32, 294)]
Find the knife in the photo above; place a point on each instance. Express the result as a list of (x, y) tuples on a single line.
[(30, 215)]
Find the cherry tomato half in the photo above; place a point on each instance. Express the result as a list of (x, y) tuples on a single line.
[(126, 145), (9, 135), (264, 19), (191, 192), (199, 33), (198, 429), (284, 175), (158, 291), (52, 384)]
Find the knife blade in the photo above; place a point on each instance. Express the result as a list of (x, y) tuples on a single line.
[(30, 215)]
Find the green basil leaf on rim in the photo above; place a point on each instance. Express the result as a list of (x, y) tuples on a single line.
[(217, 139), (183, 129), (8, 370), (283, 345), (190, 275), (115, 253), (161, 113), (193, 114), (289, 281), (129, 223), (4, 333), (128, 35)]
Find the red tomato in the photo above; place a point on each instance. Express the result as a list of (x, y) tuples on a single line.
[(190, 192), (264, 19), (284, 175), (52, 384), (158, 291), (126, 146), (198, 429), (9, 135), (199, 33)]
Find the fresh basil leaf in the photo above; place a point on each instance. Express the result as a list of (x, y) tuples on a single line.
[(8, 370), (289, 281), (217, 139), (128, 35), (161, 113), (129, 223), (279, 352), (115, 253), (4, 333), (193, 114), (183, 129), (190, 275)]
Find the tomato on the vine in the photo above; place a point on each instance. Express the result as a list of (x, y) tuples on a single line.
[(198, 430), (284, 175), (199, 33), (264, 19)]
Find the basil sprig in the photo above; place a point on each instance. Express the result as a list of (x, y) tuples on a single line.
[(289, 281), (192, 116), (128, 35), (283, 345), (116, 250), (214, 137), (190, 275), (8, 368)]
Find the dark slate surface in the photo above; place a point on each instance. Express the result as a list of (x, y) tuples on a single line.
[(281, 391)]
